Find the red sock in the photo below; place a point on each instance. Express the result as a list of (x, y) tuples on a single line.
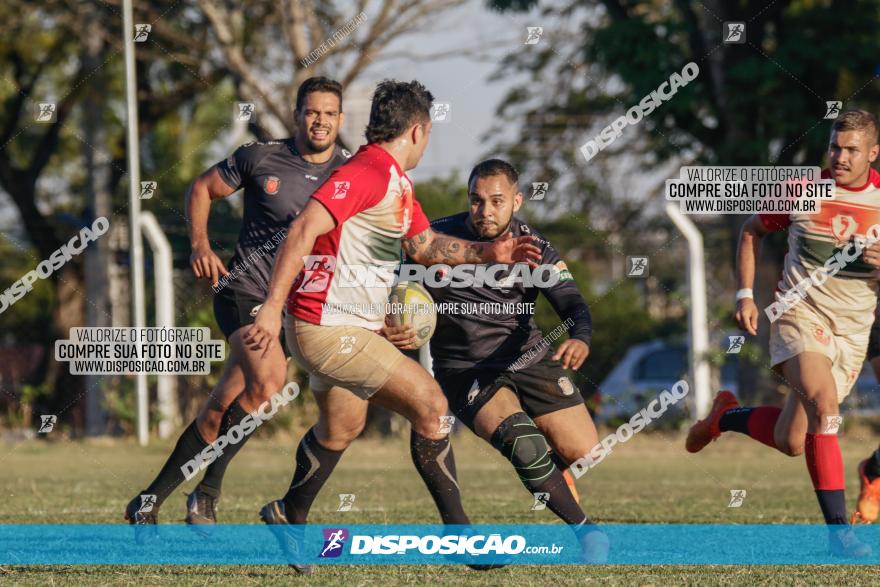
[(825, 465), (762, 422), (824, 461)]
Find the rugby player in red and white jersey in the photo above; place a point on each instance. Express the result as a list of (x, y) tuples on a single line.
[(818, 340), (359, 218)]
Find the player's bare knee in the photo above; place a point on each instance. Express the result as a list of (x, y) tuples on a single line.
[(263, 389), (795, 450), (337, 437), (790, 448), (825, 410), (208, 423), (209, 418), (570, 454), (434, 407), (349, 431)]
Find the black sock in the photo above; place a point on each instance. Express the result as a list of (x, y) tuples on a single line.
[(436, 464), (833, 504), (735, 420), (561, 502), (314, 463), (872, 467), (213, 478), (170, 477), (523, 444)]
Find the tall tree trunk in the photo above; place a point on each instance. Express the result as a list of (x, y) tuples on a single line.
[(68, 312)]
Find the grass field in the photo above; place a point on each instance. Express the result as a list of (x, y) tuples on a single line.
[(651, 479)]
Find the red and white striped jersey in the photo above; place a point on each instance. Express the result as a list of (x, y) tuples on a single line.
[(374, 205), (848, 298)]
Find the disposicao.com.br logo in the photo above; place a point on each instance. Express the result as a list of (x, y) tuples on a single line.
[(430, 544), (334, 542)]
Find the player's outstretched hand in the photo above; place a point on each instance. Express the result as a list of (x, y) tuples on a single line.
[(747, 315), (572, 353), (263, 333), (521, 249), (403, 337), (206, 265)]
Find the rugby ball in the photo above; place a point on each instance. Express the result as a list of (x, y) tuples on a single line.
[(411, 304)]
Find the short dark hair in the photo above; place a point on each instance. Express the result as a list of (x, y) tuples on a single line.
[(318, 84), (396, 107), (857, 120), (491, 167)]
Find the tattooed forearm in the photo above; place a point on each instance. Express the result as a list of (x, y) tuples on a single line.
[(429, 247), (412, 245), (443, 249), (474, 253)]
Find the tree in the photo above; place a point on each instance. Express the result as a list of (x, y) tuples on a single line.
[(758, 103), (337, 39), (69, 55), (199, 57)]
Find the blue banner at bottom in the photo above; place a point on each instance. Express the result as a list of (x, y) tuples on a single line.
[(528, 544)]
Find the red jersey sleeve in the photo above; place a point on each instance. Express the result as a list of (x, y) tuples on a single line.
[(419, 223), (775, 222), (344, 194)]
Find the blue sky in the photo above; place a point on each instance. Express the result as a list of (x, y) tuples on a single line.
[(461, 81)]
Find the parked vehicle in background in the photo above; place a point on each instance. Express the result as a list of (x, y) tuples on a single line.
[(647, 369)]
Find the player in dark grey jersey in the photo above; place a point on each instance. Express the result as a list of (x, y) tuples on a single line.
[(494, 364), (277, 178)]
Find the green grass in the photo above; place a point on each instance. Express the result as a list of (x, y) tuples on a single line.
[(649, 479)]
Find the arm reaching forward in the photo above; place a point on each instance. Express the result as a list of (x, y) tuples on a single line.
[(429, 248)]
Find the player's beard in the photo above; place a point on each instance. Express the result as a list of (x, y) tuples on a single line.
[(493, 231), (323, 145)]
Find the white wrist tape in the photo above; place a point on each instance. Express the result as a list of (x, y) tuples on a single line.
[(744, 293)]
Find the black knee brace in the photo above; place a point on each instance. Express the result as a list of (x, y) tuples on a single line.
[(520, 441)]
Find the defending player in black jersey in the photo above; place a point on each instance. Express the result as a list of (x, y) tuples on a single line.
[(495, 368), (277, 177)]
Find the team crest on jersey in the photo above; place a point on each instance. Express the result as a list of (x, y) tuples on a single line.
[(271, 185), (565, 385), (843, 227), (822, 336)]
